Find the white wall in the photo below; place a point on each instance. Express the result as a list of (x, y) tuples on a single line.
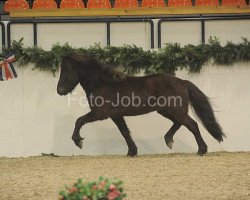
[(35, 120)]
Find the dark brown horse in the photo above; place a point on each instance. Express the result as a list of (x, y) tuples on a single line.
[(114, 95)]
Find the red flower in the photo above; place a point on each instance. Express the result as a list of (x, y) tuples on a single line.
[(112, 187), (73, 189), (113, 194), (101, 185)]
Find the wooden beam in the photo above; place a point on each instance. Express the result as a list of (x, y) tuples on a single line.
[(130, 11)]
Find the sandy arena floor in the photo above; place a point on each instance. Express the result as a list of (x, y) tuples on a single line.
[(160, 177)]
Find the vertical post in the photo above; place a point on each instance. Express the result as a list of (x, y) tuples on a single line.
[(108, 33), (203, 39), (8, 34), (35, 31), (3, 34), (159, 34), (152, 34)]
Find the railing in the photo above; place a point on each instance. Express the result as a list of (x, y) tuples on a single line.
[(83, 20), (202, 19), (131, 15)]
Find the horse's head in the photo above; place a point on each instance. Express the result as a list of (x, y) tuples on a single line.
[(68, 77), (81, 68)]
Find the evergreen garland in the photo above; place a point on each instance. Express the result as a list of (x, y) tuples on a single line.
[(132, 59)]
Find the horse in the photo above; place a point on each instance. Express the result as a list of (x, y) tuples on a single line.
[(164, 93)]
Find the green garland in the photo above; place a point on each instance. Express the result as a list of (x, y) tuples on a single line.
[(132, 59)]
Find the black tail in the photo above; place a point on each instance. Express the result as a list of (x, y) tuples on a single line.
[(204, 111)]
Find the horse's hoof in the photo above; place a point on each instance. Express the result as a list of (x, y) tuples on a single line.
[(202, 152), (79, 142), (169, 145), (132, 153), (169, 141)]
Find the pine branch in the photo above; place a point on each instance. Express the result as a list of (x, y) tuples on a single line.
[(133, 59)]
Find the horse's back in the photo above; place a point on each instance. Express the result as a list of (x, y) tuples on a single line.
[(160, 82)]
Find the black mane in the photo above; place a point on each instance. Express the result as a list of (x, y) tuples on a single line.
[(104, 71)]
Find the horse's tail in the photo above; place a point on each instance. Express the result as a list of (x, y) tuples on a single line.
[(204, 111)]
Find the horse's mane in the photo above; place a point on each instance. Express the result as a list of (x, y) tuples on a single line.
[(106, 72)]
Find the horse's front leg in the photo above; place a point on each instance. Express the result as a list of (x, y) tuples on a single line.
[(122, 126), (89, 117)]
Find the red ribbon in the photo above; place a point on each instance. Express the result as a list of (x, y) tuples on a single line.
[(5, 63)]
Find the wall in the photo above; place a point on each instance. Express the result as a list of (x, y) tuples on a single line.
[(35, 120)]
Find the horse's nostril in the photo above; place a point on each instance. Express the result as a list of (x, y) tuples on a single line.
[(61, 91)]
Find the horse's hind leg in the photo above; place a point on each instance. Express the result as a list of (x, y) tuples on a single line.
[(187, 121), (170, 134), (193, 127), (122, 126)]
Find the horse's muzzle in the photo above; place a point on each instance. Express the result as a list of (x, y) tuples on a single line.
[(61, 91)]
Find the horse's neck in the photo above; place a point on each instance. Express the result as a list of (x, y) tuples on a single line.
[(93, 80), (91, 83)]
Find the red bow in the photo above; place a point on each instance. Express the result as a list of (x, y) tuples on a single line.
[(7, 70)]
